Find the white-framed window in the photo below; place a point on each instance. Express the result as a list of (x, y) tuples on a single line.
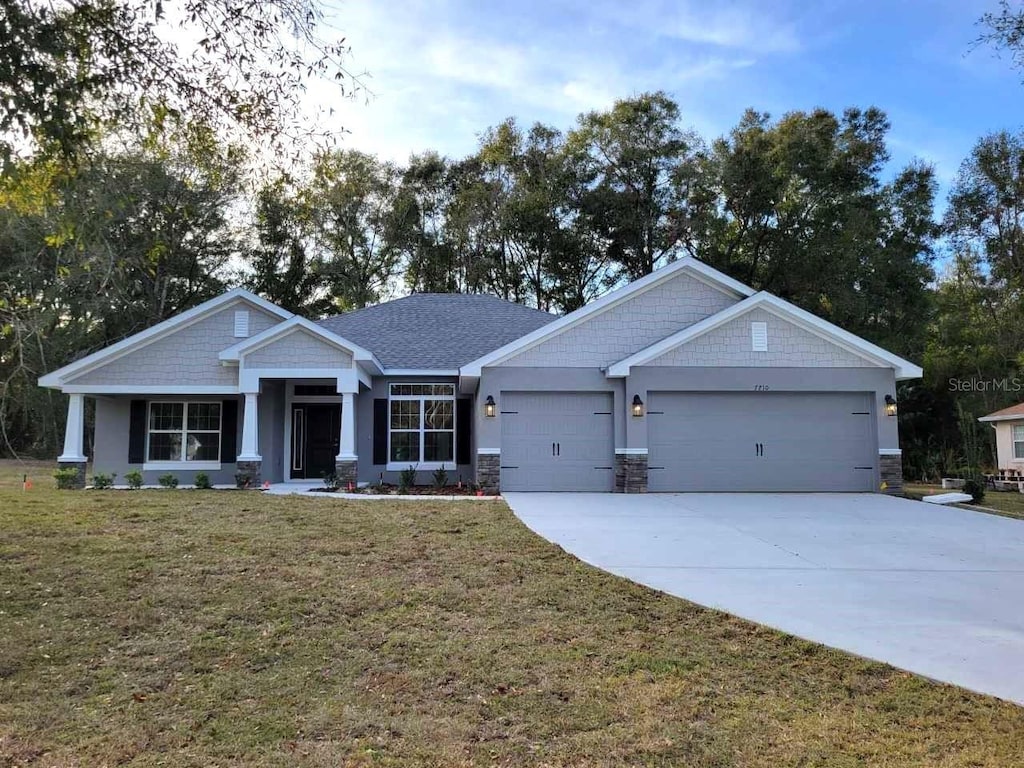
[(421, 425), (1018, 441), (183, 434)]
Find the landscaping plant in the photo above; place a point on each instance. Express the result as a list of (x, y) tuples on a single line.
[(102, 482), (134, 479), (168, 481)]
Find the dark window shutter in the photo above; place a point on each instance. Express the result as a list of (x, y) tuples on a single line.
[(137, 433), (380, 430), (228, 431), (463, 431)]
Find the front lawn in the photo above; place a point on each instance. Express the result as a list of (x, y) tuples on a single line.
[(206, 628), (1005, 503)]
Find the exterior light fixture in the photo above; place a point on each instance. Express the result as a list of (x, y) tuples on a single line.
[(638, 406), (890, 405), (490, 408)]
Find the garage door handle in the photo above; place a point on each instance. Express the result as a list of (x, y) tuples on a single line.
[(558, 449)]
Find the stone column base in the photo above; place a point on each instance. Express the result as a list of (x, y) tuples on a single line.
[(251, 468), (890, 470), (79, 482), (488, 472), (346, 472), (630, 473)]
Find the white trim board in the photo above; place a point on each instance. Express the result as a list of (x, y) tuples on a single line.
[(150, 389), (692, 266), (784, 310), (141, 339), (1007, 417)]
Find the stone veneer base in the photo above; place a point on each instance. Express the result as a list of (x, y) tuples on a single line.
[(254, 470), (346, 472), (890, 470), (79, 483), (488, 472), (631, 473)]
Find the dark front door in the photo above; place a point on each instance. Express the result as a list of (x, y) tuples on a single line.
[(315, 435)]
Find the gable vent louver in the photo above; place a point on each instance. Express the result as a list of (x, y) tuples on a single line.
[(242, 324), (759, 336)]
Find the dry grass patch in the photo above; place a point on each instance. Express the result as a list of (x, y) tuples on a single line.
[(205, 628), (1003, 503)]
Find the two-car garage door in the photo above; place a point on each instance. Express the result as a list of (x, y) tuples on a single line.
[(761, 441)]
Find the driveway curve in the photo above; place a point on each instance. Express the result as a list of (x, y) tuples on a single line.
[(929, 589)]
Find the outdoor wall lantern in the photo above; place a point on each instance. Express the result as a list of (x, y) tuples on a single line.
[(490, 408), (890, 405), (638, 406)]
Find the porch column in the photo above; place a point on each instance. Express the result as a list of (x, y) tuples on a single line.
[(249, 461), (73, 457), (74, 431), (346, 465)]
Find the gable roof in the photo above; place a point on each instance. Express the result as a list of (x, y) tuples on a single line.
[(439, 332), (297, 324), (1013, 413), (159, 331), (688, 264), (904, 368)]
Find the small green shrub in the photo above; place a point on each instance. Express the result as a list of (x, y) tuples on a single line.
[(202, 481), (102, 482), (976, 489), (440, 476), (168, 481), (134, 479), (331, 481), (243, 480), (66, 477), (407, 478)]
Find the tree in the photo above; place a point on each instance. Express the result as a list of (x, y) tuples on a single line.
[(986, 206), (1004, 29), (641, 161), (351, 200), (68, 65), (798, 208), (279, 265)]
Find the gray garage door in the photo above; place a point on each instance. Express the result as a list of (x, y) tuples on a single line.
[(778, 441), (556, 441)]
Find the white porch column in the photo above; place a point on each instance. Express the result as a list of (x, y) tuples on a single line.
[(347, 449), (75, 430), (250, 446)]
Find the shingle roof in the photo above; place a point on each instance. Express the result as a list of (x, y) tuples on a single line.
[(436, 330), (1013, 410)]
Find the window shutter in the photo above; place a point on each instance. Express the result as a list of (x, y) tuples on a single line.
[(229, 431), (463, 431), (137, 433), (380, 430)]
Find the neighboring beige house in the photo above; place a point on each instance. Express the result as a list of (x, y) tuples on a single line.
[(1009, 426)]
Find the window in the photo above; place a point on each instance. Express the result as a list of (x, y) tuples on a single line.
[(1018, 441), (183, 432), (422, 424)]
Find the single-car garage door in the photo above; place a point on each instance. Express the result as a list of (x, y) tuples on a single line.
[(763, 441), (556, 441)]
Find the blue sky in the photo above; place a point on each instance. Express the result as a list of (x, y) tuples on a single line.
[(441, 71)]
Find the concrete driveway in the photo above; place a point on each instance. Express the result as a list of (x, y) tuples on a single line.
[(932, 590)]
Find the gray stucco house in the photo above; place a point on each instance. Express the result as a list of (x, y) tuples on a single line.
[(684, 380)]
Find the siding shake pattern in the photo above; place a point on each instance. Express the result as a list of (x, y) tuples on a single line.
[(298, 350)]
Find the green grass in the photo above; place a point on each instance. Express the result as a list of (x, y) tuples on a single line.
[(206, 628), (1004, 503)]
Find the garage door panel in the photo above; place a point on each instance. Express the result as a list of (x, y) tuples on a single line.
[(556, 441), (761, 442)]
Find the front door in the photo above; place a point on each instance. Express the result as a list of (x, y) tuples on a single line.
[(315, 436)]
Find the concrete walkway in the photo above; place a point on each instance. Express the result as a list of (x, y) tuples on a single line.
[(930, 589)]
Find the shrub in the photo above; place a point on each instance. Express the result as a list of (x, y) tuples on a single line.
[(976, 488), (66, 477), (168, 481), (407, 478), (102, 482), (440, 476), (202, 481), (134, 479), (243, 480), (331, 481)]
